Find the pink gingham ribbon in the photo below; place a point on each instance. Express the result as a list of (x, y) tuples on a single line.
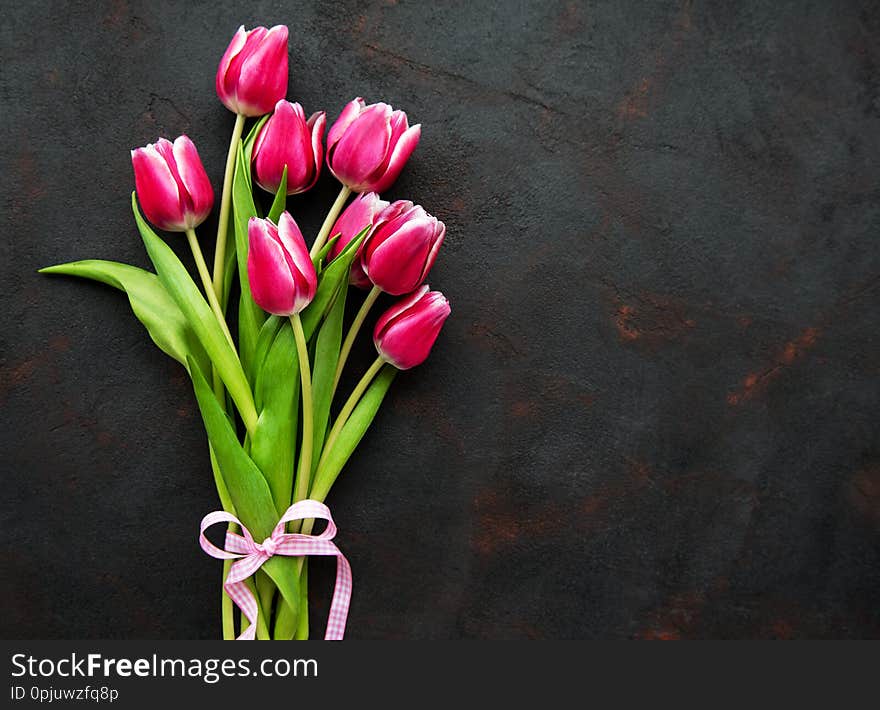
[(250, 556)]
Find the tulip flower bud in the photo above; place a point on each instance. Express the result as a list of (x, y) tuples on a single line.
[(282, 277), (172, 186), (287, 139), (368, 146), (406, 332), (252, 76), (360, 213), (402, 247)]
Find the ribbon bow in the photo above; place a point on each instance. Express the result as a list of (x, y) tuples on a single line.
[(250, 556)]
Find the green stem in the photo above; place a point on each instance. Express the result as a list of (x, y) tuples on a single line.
[(352, 334), (225, 200), (349, 406), (302, 626), (206, 283), (303, 475), (329, 221), (227, 611)]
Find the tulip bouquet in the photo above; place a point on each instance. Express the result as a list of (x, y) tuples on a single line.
[(278, 435)]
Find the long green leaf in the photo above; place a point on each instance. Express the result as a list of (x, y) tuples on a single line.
[(246, 486), (327, 346), (264, 341), (250, 315), (201, 318), (244, 481), (352, 432), (273, 443), (149, 301)]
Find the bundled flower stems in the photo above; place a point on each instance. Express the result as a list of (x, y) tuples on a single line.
[(279, 432)]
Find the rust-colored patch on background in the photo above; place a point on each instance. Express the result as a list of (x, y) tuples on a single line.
[(53, 77), (757, 381), (651, 319), (32, 187), (676, 619), (359, 25), (781, 629), (21, 371), (635, 105), (497, 524), (501, 521), (659, 635), (622, 322), (117, 15), (523, 409)]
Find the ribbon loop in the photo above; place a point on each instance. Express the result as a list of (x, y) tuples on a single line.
[(250, 556)]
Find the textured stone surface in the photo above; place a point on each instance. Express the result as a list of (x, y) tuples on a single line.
[(654, 411)]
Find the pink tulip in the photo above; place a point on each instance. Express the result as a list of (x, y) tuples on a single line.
[(287, 139), (402, 247), (252, 76), (368, 146), (172, 186), (359, 214), (282, 278), (406, 332)]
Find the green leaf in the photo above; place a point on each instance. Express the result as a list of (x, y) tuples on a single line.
[(327, 346), (318, 261), (201, 318), (244, 481), (352, 432), (280, 202), (250, 139), (250, 315), (247, 488), (264, 341), (149, 301), (273, 443), (334, 277)]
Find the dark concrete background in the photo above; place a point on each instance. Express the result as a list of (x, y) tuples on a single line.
[(653, 413)]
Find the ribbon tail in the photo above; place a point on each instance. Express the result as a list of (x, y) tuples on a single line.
[(338, 616), (244, 600)]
